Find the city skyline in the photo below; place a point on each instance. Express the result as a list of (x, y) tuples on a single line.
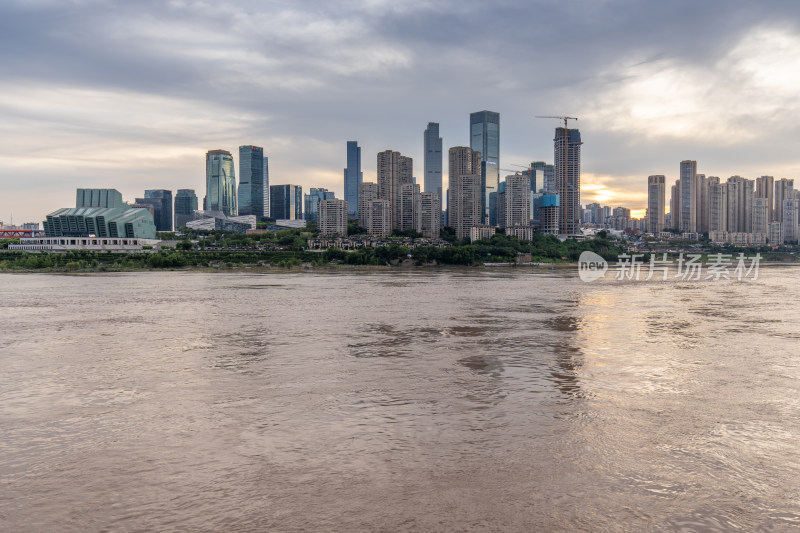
[(136, 108)]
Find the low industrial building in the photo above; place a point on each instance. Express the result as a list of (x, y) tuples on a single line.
[(96, 244)]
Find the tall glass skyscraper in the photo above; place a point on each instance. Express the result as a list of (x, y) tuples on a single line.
[(220, 183), (286, 202), (353, 177), (161, 202), (252, 188), (312, 200), (485, 138), (185, 206), (433, 159)]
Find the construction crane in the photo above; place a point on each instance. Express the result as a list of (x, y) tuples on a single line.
[(560, 186)]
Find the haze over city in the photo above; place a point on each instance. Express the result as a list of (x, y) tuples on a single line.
[(132, 96)]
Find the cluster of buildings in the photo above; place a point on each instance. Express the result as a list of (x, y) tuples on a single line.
[(540, 197), (736, 211)]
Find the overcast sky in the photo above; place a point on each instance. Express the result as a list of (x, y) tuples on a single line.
[(130, 95)]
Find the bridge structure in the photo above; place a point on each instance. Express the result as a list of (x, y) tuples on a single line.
[(20, 233)]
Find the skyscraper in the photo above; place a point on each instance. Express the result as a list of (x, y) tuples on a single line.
[(286, 202), (185, 206), (765, 188), (783, 191), (161, 201), (220, 183), (514, 201), (688, 196), (433, 159), (367, 192), (252, 191), (567, 152), (465, 197), (484, 132), (394, 171), (656, 201), (430, 210), (352, 178)]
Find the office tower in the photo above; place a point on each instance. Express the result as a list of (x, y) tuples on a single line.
[(656, 202), (717, 205), (161, 202), (702, 204), (353, 177), (394, 170), (484, 130), (567, 143), (286, 202), (220, 183), (760, 216), (688, 196), (312, 200), (332, 217), (266, 188), (783, 191), (515, 199), (185, 206), (430, 206), (790, 221), (465, 198), (367, 192), (409, 207), (433, 159), (549, 216), (765, 188), (675, 205), (378, 218), (252, 188)]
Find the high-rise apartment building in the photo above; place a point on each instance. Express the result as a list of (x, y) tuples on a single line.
[(430, 206), (783, 191), (252, 190), (514, 201), (379, 218), (567, 152), (760, 216), (675, 205), (656, 202), (286, 202), (740, 204), (161, 202), (485, 138), (220, 183), (410, 208), (185, 205), (790, 223), (717, 205), (549, 217), (353, 177), (332, 217), (433, 159), (702, 204), (765, 188), (311, 202), (465, 201), (688, 196), (394, 171), (367, 192)]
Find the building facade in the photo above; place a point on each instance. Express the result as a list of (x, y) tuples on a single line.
[(100, 213), (186, 204), (394, 171), (220, 183), (161, 202), (656, 203), (332, 217), (514, 201), (286, 202), (485, 138), (430, 206), (253, 191), (311, 201), (353, 177), (567, 156), (367, 192), (433, 159), (688, 196), (465, 197)]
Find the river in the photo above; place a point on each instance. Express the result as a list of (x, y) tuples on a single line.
[(470, 400)]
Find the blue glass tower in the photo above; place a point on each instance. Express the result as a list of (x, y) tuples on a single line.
[(251, 181), (312, 200), (161, 202), (485, 138), (352, 178), (220, 183)]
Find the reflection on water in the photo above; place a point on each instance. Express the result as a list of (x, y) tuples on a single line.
[(442, 400)]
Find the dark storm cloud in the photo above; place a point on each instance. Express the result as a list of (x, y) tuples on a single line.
[(305, 76)]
